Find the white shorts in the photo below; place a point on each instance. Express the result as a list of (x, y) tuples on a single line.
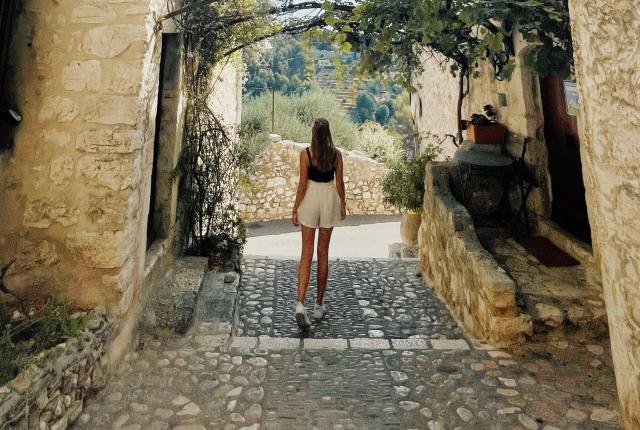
[(320, 207)]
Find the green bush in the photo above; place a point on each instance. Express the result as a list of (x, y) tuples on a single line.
[(382, 114), (403, 185), (380, 143), (365, 107)]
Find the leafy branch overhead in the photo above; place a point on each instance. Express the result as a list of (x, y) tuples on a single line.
[(392, 35)]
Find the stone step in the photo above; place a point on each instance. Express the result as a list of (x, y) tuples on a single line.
[(290, 343)]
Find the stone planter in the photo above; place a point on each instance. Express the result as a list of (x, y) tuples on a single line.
[(50, 392), (409, 226)]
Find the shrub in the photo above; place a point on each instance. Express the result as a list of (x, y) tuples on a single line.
[(380, 144), (403, 185), (382, 114), (365, 107), (21, 341)]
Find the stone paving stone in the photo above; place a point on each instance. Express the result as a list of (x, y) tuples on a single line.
[(275, 343), (366, 343), (452, 344), (243, 342), (325, 344), (409, 344)]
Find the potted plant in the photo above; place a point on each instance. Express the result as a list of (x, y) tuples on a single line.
[(403, 187), (485, 129)]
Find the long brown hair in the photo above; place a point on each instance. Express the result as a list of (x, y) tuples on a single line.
[(324, 152)]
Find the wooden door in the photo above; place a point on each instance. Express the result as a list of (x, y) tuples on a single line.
[(569, 208)]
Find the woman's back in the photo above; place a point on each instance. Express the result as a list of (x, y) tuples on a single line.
[(317, 175)]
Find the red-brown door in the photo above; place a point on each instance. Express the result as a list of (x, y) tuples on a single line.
[(569, 208)]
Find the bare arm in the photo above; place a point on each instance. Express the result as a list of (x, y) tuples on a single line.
[(340, 183), (302, 186)]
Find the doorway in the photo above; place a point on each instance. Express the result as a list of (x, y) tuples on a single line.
[(166, 144), (569, 207)]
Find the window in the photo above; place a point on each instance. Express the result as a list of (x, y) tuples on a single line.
[(7, 10)]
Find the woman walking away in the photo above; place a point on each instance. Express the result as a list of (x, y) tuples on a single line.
[(320, 204)]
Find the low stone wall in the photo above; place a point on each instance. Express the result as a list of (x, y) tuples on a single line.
[(50, 393), (272, 190), (464, 275)]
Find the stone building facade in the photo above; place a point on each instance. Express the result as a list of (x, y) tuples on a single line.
[(271, 189), (607, 47), (607, 52), (99, 86)]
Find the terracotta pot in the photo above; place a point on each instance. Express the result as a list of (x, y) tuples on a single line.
[(409, 225), (487, 134)]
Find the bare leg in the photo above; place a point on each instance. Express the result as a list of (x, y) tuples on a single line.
[(323, 262), (304, 268)]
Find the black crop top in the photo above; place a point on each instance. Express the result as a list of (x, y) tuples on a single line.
[(317, 175)]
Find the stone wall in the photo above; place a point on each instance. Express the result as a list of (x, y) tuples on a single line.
[(77, 183), (49, 394), (75, 203), (465, 276), (606, 36), (272, 185)]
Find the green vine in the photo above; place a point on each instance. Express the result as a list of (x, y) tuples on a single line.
[(211, 157)]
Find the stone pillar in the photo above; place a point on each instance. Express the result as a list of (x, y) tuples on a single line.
[(607, 53)]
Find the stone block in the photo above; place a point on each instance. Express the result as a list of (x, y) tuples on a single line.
[(56, 137), (123, 78), (62, 169), (449, 344), (34, 254), (105, 250), (107, 209), (500, 294), (113, 172), (82, 76), (41, 213), (550, 315), (364, 343), (59, 109), (109, 141), (273, 343), (121, 280), (409, 344), (111, 41), (91, 14), (112, 110), (339, 344), (243, 342)]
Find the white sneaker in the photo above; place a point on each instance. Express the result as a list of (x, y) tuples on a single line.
[(301, 316), (319, 311)]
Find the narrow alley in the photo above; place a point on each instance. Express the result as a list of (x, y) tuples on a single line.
[(386, 356)]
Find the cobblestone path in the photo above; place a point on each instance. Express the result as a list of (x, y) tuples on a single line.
[(375, 298), (388, 356)]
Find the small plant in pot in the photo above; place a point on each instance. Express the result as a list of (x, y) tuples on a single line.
[(403, 187), (484, 128)]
